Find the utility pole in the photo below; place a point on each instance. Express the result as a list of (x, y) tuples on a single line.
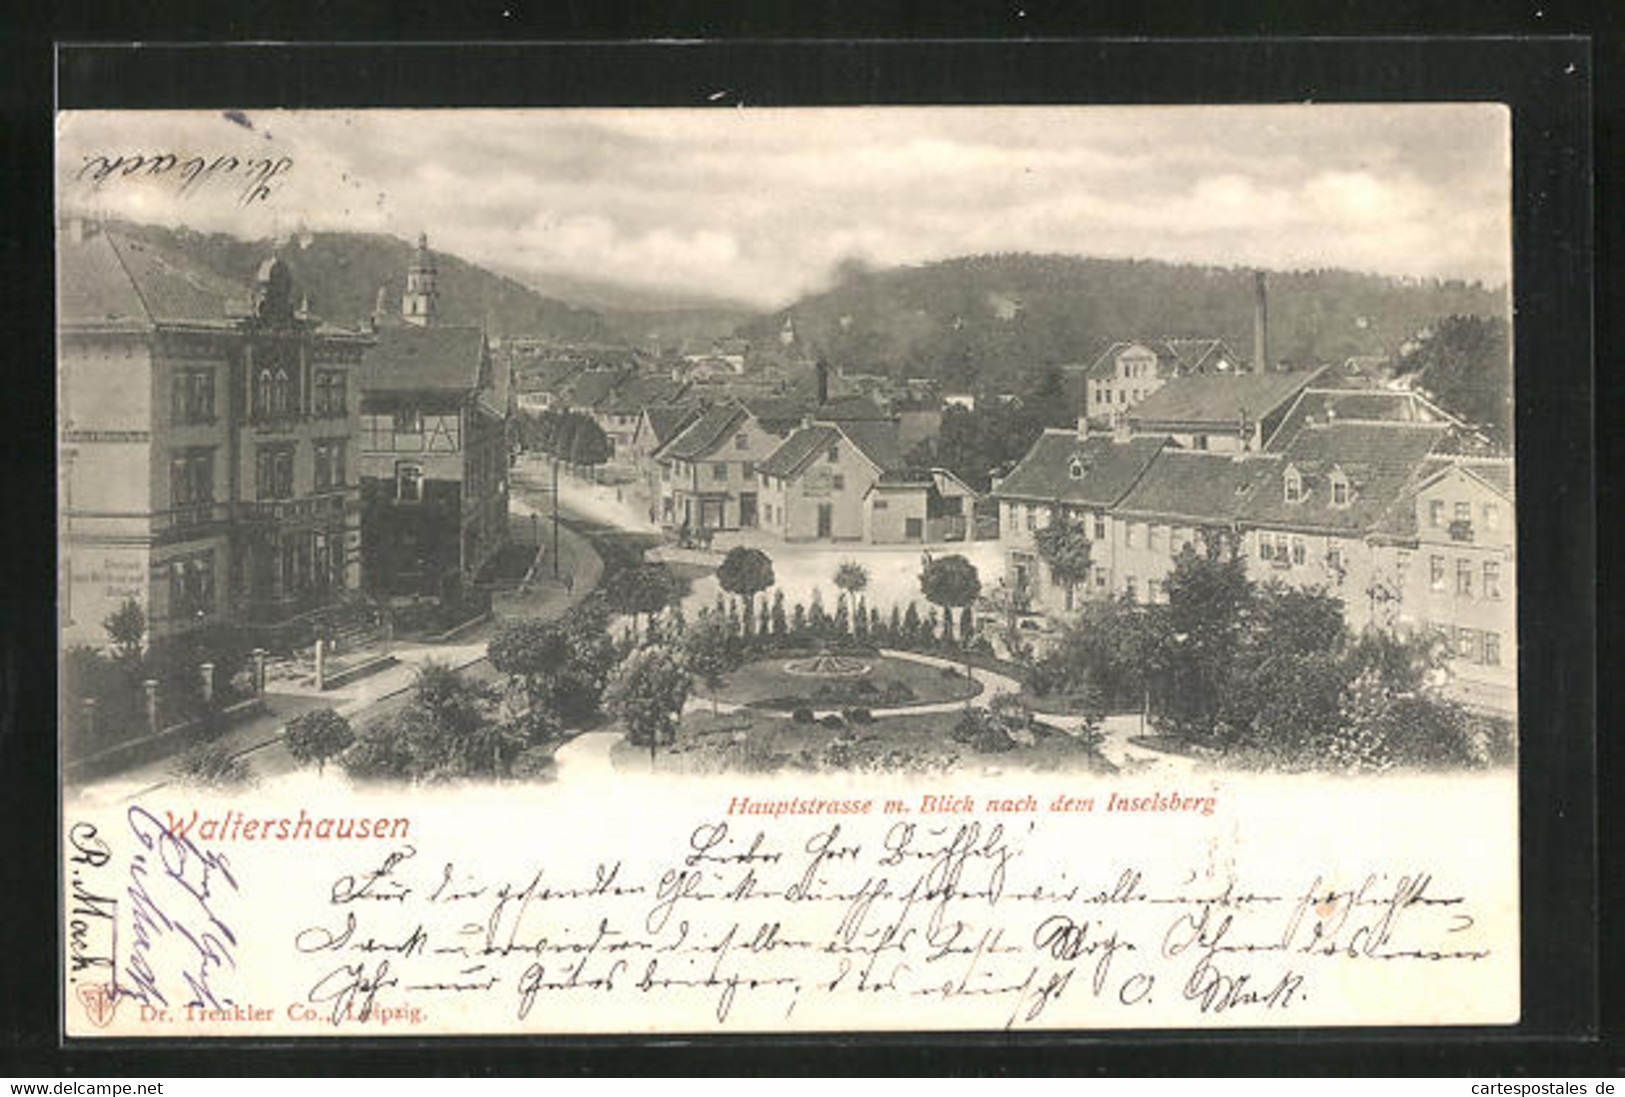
[(555, 516)]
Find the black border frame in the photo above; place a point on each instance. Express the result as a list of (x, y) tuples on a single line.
[(1547, 82)]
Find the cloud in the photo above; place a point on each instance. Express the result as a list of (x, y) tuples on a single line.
[(762, 203)]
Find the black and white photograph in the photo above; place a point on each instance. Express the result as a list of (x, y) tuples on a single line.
[(446, 446)]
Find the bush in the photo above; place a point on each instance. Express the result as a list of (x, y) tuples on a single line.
[(534, 764), (858, 716), (802, 715), (212, 765), (833, 721)]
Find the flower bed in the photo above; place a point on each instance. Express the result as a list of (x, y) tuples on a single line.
[(889, 683)]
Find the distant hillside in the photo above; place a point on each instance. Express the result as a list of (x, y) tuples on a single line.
[(995, 321), (341, 273)]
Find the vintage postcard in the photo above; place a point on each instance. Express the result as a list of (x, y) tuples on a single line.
[(751, 570)]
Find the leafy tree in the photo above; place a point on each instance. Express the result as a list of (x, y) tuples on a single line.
[(909, 631), (126, 629), (533, 653), (798, 621), (1465, 364), (1011, 603), (644, 589), (745, 573), (317, 735), (1065, 548), (967, 627), (589, 445), (817, 618), (647, 693), (951, 583), (708, 649), (1209, 600), (852, 579), (841, 624), (779, 624)]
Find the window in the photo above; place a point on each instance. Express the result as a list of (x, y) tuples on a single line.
[(719, 470), (281, 393), (1100, 578), (1294, 486), (1297, 550), (1492, 516), (193, 396), (1130, 536), (273, 472), (1199, 441), (1122, 396), (1153, 590), (1436, 572), (748, 471), (1032, 518), (840, 482), (1463, 512), (262, 393), (191, 586), (740, 441), (913, 528), (1467, 644), (408, 482), (1100, 528), (1010, 521), (665, 474), (1154, 538), (330, 464), (1492, 579), (1340, 492), (880, 504), (833, 454), (331, 396), (1464, 578), (191, 477), (1334, 559), (1129, 590), (1266, 547), (1435, 513), (1492, 649), (408, 421)]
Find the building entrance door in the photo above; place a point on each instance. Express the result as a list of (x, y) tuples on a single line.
[(826, 519), (747, 509)]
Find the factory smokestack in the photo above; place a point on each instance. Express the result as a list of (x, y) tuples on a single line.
[(1261, 324), (821, 381)]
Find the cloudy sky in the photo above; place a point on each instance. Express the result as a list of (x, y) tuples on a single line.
[(760, 205)]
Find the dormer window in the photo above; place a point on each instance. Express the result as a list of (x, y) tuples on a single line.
[(1294, 486), (1074, 469), (740, 442), (1341, 493)]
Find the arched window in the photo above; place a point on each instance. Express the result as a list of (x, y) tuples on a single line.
[(262, 397), (281, 393)]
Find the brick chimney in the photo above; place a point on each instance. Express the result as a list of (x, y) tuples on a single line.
[(1261, 324)]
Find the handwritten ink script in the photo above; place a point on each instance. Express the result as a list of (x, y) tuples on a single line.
[(547, 912), (255, 177), (740, 922)]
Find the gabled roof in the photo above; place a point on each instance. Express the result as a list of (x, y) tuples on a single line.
[(665, 420), (701, 437), (407, 358), (1218, 400), (110, 279), (1175, 357), (1383, 463), (878, 441), (592, 387), (549, 376), (1110, 468), (1188, 486), (798, 451), (1494, 475), (1343, 402), (640, 391), (776, 413), (848, 409)]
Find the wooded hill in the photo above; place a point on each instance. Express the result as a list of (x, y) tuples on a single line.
[(992, 322), (341, 273)]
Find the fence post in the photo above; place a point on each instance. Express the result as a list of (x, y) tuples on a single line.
[(259, 671), (90, 717), (321, 663), (207, 672), (151, 686)]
